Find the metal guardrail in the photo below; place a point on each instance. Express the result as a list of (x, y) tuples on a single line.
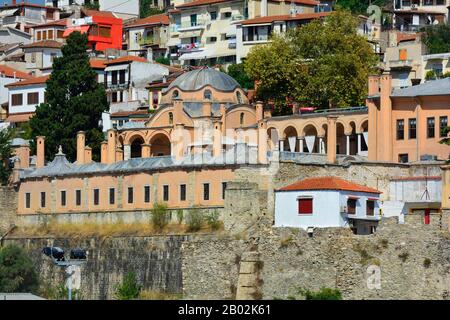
[(114, 86), (340, 110)]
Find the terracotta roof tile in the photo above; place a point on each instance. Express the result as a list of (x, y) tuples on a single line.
[(286, 17), (44, 44), (97, 64), (29, 82), (155, 19), (196, 3), (96, 13), (328, 183), (61, 22), (9, 72), (126, 59)]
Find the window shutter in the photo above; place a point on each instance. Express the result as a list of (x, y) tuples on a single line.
[(305, 206)]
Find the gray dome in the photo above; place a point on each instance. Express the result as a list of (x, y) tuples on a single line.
[(197, 79)]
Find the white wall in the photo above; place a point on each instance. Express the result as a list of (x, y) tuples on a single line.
[(25, 107), (4, 91), (120, 6), (326, 208)]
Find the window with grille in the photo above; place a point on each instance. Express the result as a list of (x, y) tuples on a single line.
[(182, 192), (96, 197), (430, 127), (63, 198), (112, 195), (412, 128), (206, 191), (147, 194), (305, 205)]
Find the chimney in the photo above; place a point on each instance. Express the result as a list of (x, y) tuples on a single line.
[(40, 148), (259, 111), (104, 152), (111, 146), (81, 145), (23, 152), (87, 155)]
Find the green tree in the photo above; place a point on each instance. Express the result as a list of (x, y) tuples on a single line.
[(160, 216), (95, 5), (75, 101), (17, 272), (325, 63), (129, 288), (237, 71), (359, 6), (163, 60), (437, 38), (147, 9), (6, 136), (322, 294)]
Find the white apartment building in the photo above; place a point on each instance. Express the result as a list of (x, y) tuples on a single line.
[(39, 56), (22, 16), (204, 31), (411, 15), (24, 96), (147, 37)]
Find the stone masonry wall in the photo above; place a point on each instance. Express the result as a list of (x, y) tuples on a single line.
[(8, 208), (413, 260), (155, 260)]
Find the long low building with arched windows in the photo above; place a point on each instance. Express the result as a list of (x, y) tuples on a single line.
[(205, 131)]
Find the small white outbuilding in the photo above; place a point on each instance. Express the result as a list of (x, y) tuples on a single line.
[(326, 202)]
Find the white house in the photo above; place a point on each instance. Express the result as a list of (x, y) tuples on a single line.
[(24, 96), (7, 76), (327, 202), (39, 56)]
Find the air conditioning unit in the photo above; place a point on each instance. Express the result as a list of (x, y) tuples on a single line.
[(344, 209)]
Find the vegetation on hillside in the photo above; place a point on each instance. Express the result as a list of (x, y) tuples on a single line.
[(6, 136), (17, 272), (437, 38), (237, 71), (129, 289), (360, 6), (147, 9), (74, 101), (325, 63)]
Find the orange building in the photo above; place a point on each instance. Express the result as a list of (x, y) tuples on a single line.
[(406, 125)]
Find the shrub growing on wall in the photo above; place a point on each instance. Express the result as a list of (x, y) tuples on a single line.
[(194, 220), (322, 294), (160, 216), (17, 272), (129, 289), (213, 220)]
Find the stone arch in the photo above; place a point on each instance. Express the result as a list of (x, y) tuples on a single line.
[(289, 132), (136, 146), (363, 125), (309, 130), (160, 144), (341, 138), (131, 136)]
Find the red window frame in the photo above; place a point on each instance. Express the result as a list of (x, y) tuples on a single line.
[(305, 206)]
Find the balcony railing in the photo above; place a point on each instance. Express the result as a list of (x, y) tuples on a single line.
[(189, 25), (146, 40), (116, 86), (400, 64)]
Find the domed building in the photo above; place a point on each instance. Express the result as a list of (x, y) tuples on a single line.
[(197, 102)]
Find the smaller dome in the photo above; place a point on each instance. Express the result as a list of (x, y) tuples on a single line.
[(197, 79)]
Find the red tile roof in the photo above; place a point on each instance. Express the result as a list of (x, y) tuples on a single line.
[(286, 17), (155, 19), (9, 73), (196, 3), (95, 13), (44, 44), (29, 82), (328, 183), (19, 117), (126, 59), (97, 64), (62, 22)]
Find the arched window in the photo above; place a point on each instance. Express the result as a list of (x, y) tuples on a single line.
[(242, 118), (207, 94), (239, 97), (170, 118), (175, 94)]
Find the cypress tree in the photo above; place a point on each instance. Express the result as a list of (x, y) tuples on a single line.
[(74, 101)]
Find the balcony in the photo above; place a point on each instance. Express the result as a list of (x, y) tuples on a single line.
[(188, 26), (146, 41), (116, 86), (237, 17), (401, 64)]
